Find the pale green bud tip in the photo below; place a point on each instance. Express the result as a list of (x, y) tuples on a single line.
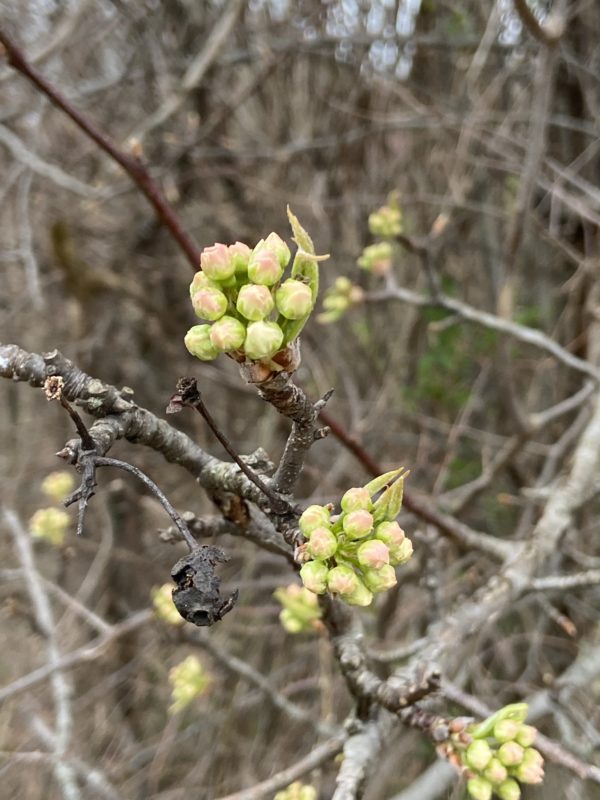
[(313, 517), (314, 576), (526, 735), (380, 580), (209, 303), (294, 299), (508, 790), (495, 772), (357, 499), (264, 267), (198, 342), (400, 554), (227, 334), (478, 755), (373, 554), (342, 580), (216, 262), (479, 788), (164, 607), (510, 754), (263, 340), (254, 302), (275, 243), (57, 485), (322, 544), (357, 524), (240, 255), (50, 524)]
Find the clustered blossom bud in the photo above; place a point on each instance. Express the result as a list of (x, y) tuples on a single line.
[(377, 258), (297, 791), (50, 524), (496, 754), (238, 289), (343, 554), (57, 485), (188, 680), (164, 607), (338, 299), (386, 222), (300, 612)]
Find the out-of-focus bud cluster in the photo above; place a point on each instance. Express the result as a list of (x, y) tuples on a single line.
[(188, 680), (51, 524), (354, 553), (301, 612), (164, 607), (250, 310), (385, 224), (338, 299), (496, 754), (297, 791), (58, 485)]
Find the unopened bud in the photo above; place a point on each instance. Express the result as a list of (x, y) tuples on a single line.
[(373, 554), (313, 517), (254, 302), (377, 258), (495, 771), (508, 790), (275, 243), (290, 622), (198, 342), (342, 580), (227, 334), (201, 281), (479, 788), (526, 735), (386, 222), (263, 340), (209, 303), (391, 533), (506, 730), (478, 755), (50, 524), (314, 576), (400, 554), (361, 596), (57, 485), (264, 267), (216, 262), (164, 607), (322, 544), (380, 580), (294, 299), (510, 754), (239, 253), (357, 524), (531, 769), (357, 499)]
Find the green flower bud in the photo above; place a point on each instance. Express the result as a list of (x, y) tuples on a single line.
[(322, 544), (526, 735), (264, 267), (164, 607), (478, 755), (57, 485), (290, 622), (361, 596), (254, 302), (400, 554), (336, 302), (357, 524), (380, 580), (357, 499), (50, 524), (197, 340), (531, 769), (386, 222), (216, 262), (373, 554), (209, 303), (201, 281), (294, 299), (506, 730), (342, 580), (495, 772), (377, 258), (313, 517), (263, 340), (342, 284), (510, 754), (479, 788), (390, 533), (188, 680), (508, 790), (227, 334), (314, 576), (239, 253), (275, 243)]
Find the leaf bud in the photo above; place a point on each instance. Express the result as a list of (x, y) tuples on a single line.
[(342, 580), (388, 504), (380, 580), (263, 340), (313, 517), (198, 342), (216, 262), (357, 524), (357, 499), (373, 554), (508, 790), (478, 755), (479, 788), (322, 544), (264, 267), (510, 754), (227, 334), (294, 299), (209, 303), (254, 302), (314, 576)]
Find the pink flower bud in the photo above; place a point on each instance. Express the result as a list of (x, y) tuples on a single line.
[(314, 576), (380, 580), (478, 755), (342, 580), (361, 596), (294, 299), (209, 303), (264, 267), (391, 533), (526, 736), (313, 517), (479, 788), (373, 554), (495, 771), (531, 769), (239, 253), (275, 243), (510, 754), (201, 281), (254, 302), (357, 499), (506, 730), (401, 553), (263, 340), (216, 262), (508, 790), (227, 334), (197, 340), (322, 544), (357, 524)]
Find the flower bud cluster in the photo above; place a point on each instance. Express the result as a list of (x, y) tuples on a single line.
[(377, 258), (354, 553), (297, 791), (338, 299), (58, 485), (164, 607), (386, 222), (497, 755), (249, 309), (188, 680), (301, 612), (51, 524)]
